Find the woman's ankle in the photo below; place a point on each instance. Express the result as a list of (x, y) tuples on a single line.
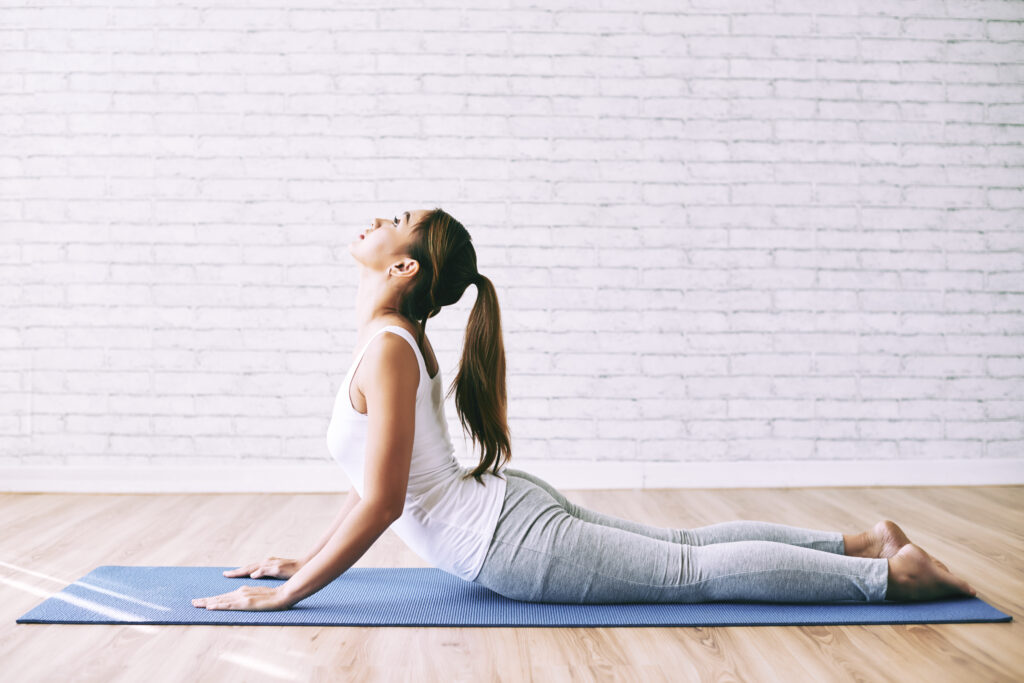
[(854, 544)]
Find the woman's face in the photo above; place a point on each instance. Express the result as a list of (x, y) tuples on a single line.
[(384, 242)]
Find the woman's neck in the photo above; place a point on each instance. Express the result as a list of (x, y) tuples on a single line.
[(376, 302)]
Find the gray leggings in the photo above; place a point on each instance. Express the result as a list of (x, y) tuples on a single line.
[(546, 549)]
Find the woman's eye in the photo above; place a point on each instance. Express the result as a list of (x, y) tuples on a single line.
[(396, 220)]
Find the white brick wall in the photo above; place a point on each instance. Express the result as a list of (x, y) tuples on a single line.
[(735, 242)]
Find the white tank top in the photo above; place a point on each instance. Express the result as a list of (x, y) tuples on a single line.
[(447, 521)]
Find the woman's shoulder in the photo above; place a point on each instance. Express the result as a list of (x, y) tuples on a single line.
[(391, 362), (391, 347)]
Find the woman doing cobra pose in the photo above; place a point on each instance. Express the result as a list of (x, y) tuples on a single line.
[(506, 529)]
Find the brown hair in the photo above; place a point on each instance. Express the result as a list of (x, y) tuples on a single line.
[(447, 260)]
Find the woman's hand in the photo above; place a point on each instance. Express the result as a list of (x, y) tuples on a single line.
[(246, 598), (271, 568)]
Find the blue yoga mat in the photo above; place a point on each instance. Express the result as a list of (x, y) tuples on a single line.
[(365, 596)]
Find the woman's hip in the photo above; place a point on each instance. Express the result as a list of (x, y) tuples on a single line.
[(541, 553)]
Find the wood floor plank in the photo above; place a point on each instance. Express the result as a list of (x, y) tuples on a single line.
[(49, 540)]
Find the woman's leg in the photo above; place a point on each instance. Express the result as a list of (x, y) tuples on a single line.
[(724, 532), (541, 553)]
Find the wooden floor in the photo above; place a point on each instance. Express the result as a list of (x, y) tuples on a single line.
[(49, 540)]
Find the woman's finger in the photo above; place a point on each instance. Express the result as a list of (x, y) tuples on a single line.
[(241, 570)]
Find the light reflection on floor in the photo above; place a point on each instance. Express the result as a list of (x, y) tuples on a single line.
[(89, 586), (110, 612), (238, 659), (259, 666)]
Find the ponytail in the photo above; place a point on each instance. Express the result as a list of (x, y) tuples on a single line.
[(480, 397)]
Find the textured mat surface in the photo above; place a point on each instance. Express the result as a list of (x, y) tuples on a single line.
[(369, 596)]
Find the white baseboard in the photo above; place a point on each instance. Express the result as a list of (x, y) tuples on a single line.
[(567, 474)]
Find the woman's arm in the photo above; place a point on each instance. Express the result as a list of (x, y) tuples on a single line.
[(391, 417), (350, 502), (353, 538)]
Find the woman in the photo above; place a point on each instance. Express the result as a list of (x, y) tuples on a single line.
[(503, 528)]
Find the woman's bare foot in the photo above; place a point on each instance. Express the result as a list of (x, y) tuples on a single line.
[(915, 575), (884, 540)]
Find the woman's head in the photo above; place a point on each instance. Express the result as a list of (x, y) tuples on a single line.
[(428, 258), (384, 246)]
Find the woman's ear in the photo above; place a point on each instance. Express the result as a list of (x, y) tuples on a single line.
[(405, 268)]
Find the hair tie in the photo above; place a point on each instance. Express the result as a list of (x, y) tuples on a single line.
[(478, 279)]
